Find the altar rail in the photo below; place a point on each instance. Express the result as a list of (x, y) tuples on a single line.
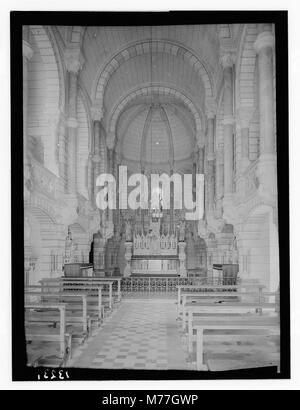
[(164, 285)]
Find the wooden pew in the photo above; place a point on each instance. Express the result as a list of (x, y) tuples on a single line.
[(205, 297), (227, 309), (93, 309), (201, 289), (243, 323), (91, 287), (82, 283), (212, 291), (52, 297), (218, 298), (110, 281), (62, 337)]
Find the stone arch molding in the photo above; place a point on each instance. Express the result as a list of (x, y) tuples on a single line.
[(150, 90), (55, 96), (150, 46)]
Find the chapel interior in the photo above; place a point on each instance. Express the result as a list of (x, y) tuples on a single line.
[(182, 99)]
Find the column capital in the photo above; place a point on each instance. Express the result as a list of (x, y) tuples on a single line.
[(227, 60), (97, 111), (74, 60), (264, 41), (27, 50)]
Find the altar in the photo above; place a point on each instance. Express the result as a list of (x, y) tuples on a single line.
[(154, 266), (155, 253)]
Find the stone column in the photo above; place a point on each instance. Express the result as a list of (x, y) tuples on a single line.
[(102, 170), (201, 160), (142, 211), (227, 63), (194, 171), (182, 259), (74, 62), (264, 48), (266, 171), (27, 55), (115, 173), (96, 156), (220, 181), (244, 118), (96, 115), (110, 154), (245, 144), (210, 161), (90, 179), (171, 204), (62, 150), (118, 214)]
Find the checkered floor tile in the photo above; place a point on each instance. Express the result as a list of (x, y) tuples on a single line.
[(139, 335)]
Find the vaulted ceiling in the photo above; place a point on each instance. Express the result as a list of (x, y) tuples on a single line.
[(156, 133), (153, 84)]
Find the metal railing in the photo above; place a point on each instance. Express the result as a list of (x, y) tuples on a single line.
[(167, 285)]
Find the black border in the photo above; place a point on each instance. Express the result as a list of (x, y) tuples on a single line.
[(20, 372)]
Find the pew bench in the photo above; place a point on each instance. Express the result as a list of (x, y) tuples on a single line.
[(95, 303), (201, 289), (214, 290), (231, 324), (224, 297), (68, 298), (228, 309), (106, 285), (61, 337), (212, 298), (83, 284)]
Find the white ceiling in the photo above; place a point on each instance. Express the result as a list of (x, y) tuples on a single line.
[(159, 140)]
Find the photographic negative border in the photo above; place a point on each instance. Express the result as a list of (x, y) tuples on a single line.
[(20, 372)]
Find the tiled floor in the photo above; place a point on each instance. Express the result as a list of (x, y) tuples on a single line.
[(140, 334)]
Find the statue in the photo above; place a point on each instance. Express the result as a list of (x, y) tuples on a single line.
[(128, 231), (182, 231), (69, 247), (235, 252)]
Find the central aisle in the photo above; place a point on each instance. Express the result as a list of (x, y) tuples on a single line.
[(140, 334)]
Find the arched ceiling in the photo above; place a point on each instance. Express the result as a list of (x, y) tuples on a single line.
[(158, 93), (148, 69), (155, 133), (103, 44), (127, 69)]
